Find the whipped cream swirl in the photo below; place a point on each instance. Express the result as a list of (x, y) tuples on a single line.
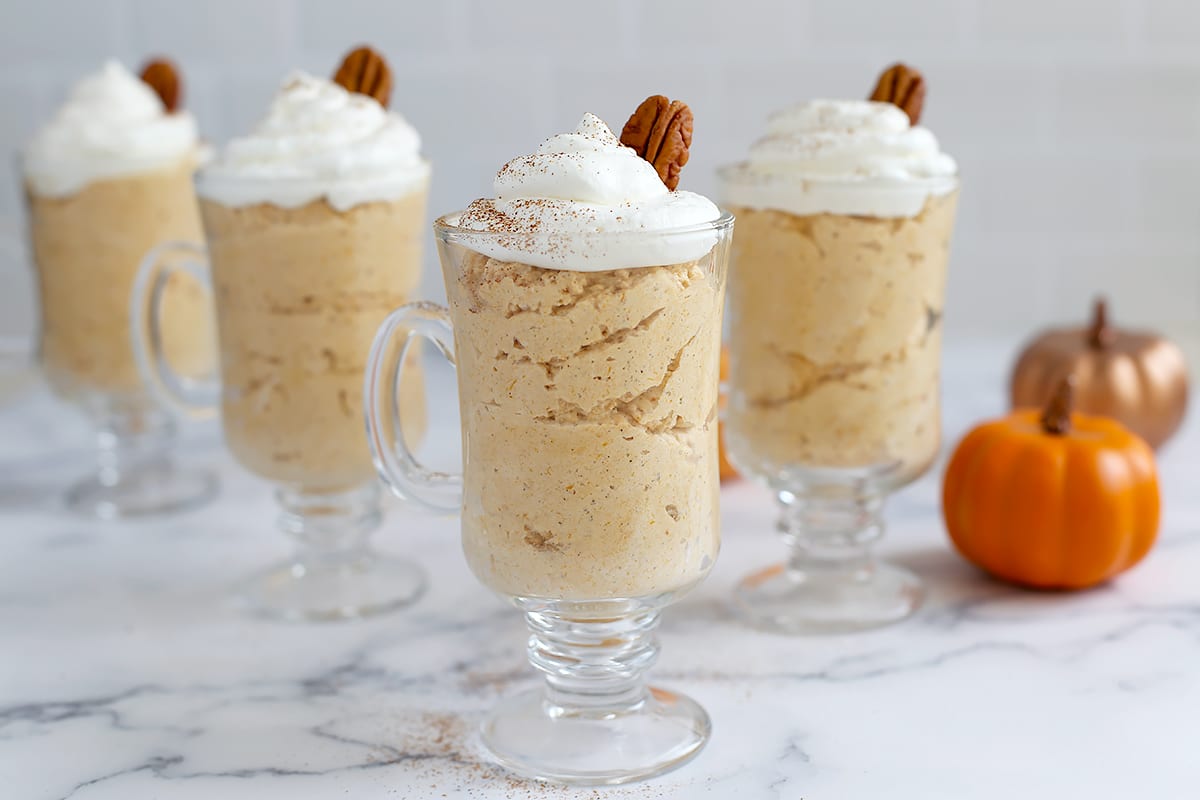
[(111, 125), (585, 202), (318, 141), (842, 157)]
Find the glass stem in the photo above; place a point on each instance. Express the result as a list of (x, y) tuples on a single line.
[(134, 443), (329, 527), (593, 665), (832, 534)]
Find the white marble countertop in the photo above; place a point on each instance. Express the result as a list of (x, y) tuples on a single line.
[(125, 671)]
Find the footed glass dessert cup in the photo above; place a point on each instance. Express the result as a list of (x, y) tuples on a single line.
[(835, 340), (589, 488), (86, 249), (299, 294)]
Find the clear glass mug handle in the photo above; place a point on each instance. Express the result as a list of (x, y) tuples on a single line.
[(188, 397), (398, 467)]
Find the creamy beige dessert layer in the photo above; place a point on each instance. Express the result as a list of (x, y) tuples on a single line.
[(299, 294), (87, 248), (836, 362), (589, 411)]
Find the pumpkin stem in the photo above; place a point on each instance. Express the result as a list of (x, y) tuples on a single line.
[(1100, 334), (1056, 418)]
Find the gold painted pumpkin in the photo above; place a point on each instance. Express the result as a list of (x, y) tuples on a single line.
[(1136, 378)]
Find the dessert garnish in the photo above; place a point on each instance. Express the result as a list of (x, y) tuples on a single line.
[(162, 76), (660, 131), (364, 71), (902, 86)]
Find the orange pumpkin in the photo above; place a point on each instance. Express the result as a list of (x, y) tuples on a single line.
[(727, 470), (1052, 499)]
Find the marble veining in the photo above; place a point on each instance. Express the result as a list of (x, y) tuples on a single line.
[(127, 672)]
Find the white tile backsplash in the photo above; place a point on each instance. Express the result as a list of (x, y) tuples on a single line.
[(1171, 21), (393, 27), (999, 284), (59, 32), (1076, 122), (1052, 195), (924, 22), (1053, 23), (990, 106), (700, 24), (1168, 199), (601, 31), (1149, 285), (234, 33), (771, 27), (1127, 108)]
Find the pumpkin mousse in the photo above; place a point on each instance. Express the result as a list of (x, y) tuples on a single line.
[(587, 339), (106, 180), (845, 211), (314, 224)]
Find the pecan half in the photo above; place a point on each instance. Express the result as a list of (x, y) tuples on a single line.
[(364, 71), (162, 76), (660, 131), (902, 86)]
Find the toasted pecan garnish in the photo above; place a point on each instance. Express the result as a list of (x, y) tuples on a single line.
[(902, 86), (660, 130), (162, 76), (364, 71)]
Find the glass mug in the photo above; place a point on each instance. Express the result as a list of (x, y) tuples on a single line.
[(86, 248), (835, 343), (299, 293), (589, 492)]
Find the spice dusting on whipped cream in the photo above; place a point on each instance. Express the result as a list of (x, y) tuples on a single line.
[(112, 125), (823, 156), (587, 182), (317, 141)]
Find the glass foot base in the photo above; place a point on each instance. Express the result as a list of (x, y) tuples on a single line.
[(326, 592), (791, 601), (152, 491), (535, 739)]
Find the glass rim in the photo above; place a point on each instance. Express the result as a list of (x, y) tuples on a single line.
[(447, 229), (203, 174), (735, 173)]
